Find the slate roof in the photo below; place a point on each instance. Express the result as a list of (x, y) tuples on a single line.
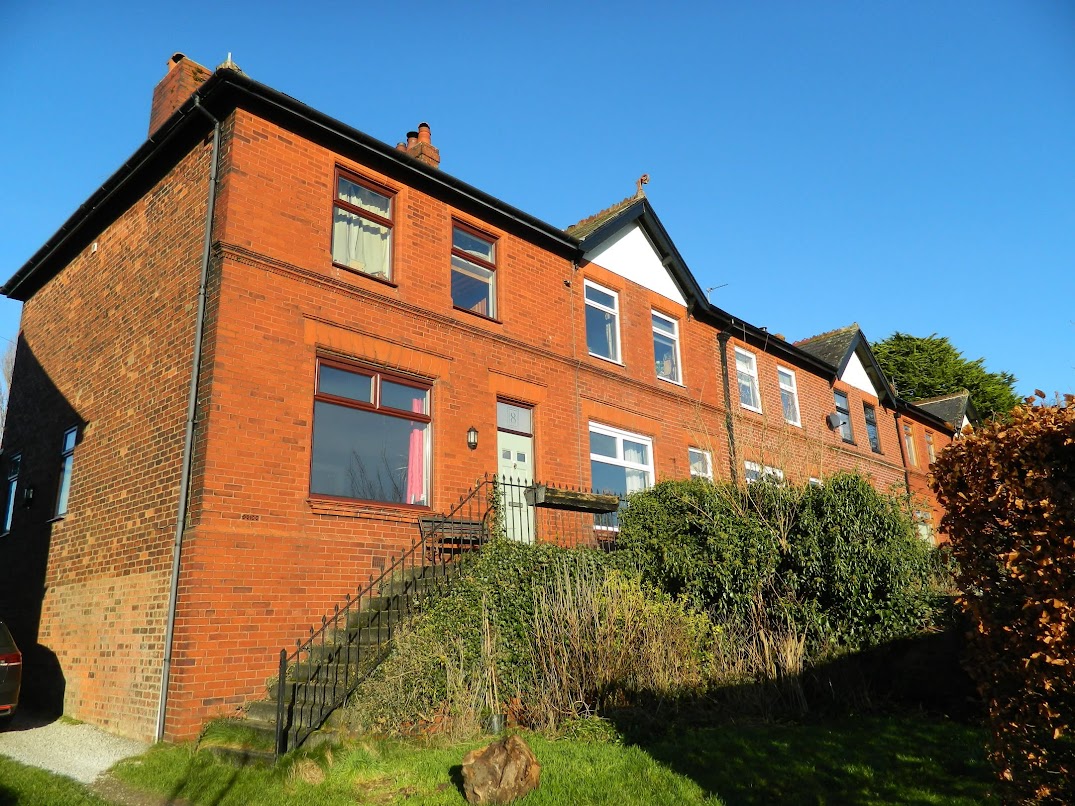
[(831, 347), (593, 223), (950, 408)]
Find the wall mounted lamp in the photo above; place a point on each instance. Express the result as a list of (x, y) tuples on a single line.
[(472, 437)]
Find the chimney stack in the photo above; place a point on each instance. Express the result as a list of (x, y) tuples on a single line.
[(184, 76), (420, 146)]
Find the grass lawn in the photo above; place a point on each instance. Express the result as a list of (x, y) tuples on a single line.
[(28, 786), (868, 761)]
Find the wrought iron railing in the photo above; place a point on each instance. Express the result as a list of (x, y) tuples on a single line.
[(318, 676), (573, 517), (322, 672)]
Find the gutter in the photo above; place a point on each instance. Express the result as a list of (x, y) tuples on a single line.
[(192, 405)]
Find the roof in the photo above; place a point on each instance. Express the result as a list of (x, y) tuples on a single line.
[(590, 225), (224, 91), (832, 347), (951, 408)]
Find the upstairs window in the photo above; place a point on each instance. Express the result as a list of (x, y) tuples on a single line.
[(362, 226), (789, 395), (931, 452), (67, 461), (701, 463), (602, 322), (473, 271), (371, 438), (870, 414), (13, 465), (843, 410), (666, 347), (908, 441), (746, 372)]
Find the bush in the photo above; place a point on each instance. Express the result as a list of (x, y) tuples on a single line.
[(546, 632), (839, 561), (1009, 490)]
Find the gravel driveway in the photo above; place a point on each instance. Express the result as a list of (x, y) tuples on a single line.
[(81, 752)]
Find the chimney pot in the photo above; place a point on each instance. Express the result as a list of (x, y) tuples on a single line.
[(423, 133), (412, 139)]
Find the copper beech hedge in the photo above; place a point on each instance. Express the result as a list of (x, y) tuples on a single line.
[(1009, 493)]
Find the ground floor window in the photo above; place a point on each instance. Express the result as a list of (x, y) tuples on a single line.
[(758, 472), (620, 462), (701, 463), (371, 439)]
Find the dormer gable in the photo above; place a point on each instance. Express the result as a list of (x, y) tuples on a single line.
[(849, 353), (628, 239)]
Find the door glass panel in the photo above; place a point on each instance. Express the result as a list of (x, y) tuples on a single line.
[(514, 418)]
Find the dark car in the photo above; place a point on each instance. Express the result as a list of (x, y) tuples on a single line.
[(10, 672)]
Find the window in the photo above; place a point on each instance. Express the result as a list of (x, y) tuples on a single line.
[(908, 441), (620, 462), (666, 347), (870, 414), (362, 226), (371, 438), (13, 465), (67, 460), (923, 523), (473, 271), (789, 395), (757, 472), (816, 482), (930, 450), (844, 412), (701, 463), (746, 371), (602, 326)]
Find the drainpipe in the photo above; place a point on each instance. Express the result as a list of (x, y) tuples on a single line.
[(903, 458), (188, 440), (729, 422)]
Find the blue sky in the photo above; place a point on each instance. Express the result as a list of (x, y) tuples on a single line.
[(905, 165)]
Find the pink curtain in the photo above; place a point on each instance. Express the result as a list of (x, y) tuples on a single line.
[(416, 459)]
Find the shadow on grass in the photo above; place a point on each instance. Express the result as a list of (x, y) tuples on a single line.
[(897, 725)]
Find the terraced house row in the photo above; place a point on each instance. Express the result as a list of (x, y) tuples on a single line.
[(270, 345)]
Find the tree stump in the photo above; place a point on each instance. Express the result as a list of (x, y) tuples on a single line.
[(501, 772)]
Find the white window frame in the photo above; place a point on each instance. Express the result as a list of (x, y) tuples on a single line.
[(14, 464), (931, 451), (677, 373), (618, 460), (613, 311), (751, 375), (67, 464), (707, 456), (793, 390), (762, 472), (908, 444), (847, 431)]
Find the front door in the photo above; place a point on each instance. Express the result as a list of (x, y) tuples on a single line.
[(515, 466)]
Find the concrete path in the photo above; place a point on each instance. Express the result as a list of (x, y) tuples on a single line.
[(81, 752)]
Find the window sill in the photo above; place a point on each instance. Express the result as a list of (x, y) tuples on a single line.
[(57, 518), (479, 315), (348, 507), (849, 442), (607, 360), (797, 425), (749, 408), (359, 273), (680, 384)]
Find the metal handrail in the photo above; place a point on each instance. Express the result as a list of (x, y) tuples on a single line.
[(326, 668)]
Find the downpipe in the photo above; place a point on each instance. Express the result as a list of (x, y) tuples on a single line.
[(188, 440)]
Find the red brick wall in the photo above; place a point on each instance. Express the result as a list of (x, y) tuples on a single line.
[(106, 345)]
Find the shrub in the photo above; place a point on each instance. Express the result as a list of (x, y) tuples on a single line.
[(529, 623), (1009, 490), (840, 560)]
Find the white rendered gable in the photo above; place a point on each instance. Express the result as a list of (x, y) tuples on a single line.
[(855, 375), (630, 254)]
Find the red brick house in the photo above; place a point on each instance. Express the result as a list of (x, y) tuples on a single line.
[(249, 363)]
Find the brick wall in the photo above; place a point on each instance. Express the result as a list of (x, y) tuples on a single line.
[(106, 346)]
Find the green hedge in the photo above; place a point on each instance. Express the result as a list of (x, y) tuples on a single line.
[(840, 561)]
